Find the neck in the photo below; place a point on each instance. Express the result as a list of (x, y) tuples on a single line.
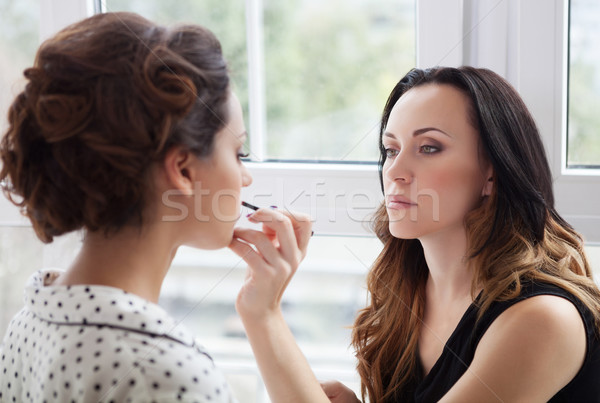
[(450, 276), (133, 260)]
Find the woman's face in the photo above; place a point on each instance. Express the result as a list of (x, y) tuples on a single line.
[(434, 173), (222, 175)]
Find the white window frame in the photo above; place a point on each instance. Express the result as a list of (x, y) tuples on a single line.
[(525, 41), (513, 41)]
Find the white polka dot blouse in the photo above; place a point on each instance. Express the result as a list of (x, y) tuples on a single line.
[(101, 344)]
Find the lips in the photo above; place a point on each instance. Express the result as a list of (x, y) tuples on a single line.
[(398, 202)]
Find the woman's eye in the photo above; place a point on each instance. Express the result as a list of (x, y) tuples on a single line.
[(428, 149), (390, 152), (243, 155)]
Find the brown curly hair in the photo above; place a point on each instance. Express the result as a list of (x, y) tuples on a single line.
[(106, 98)]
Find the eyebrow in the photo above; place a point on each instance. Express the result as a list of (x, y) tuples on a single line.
[(419, 132)]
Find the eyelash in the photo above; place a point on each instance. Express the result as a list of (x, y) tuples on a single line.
[(388, 152), (433, 150), (243, 155)]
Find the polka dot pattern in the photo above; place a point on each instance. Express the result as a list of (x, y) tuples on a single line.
[(101, 344)]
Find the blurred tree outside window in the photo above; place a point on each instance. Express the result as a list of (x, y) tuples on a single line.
[(584, 84), (330, 66)]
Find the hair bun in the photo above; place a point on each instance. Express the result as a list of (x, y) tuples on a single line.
[(106, 97), (58, 115), (62, 116), (167, 85)]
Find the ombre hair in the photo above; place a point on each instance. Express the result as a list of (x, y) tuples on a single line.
[(514, 236)]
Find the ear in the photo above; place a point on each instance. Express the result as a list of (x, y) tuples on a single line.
[(489, 183), (180, 170)]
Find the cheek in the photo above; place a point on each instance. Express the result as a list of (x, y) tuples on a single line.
[(457, 189)]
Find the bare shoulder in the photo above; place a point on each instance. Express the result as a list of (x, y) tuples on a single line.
[(546, 328), (529, 353), (543, 313)]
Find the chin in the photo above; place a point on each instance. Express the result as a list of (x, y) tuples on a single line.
[(397, 230)]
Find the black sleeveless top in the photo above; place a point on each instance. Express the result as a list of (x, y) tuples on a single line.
[(460, 348)]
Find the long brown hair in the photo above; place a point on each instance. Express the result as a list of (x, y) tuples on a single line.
[(516, 235), (106, 98)]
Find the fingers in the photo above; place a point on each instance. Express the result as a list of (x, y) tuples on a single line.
[(338, 392), (327, 387), (273, 256), (302, 225), (246, 252), (264, 245), (293, 230)]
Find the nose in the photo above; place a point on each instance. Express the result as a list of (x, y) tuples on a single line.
[(246, 176), (398, 169)]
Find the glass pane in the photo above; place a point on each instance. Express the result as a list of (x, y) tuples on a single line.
[(19, 39), (330, 66), (593, 254), (20, 256), (584, 84), (225, 18)]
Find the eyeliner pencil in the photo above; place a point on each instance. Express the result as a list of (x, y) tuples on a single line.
[(250, 206), (253, 207)]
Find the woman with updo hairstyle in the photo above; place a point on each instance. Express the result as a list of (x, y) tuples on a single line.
[(127, 131)]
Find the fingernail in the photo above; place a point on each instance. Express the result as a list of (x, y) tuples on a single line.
[(273, 206), (248, 215)]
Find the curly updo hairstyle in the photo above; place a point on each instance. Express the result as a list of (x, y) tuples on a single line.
[(105, 99)]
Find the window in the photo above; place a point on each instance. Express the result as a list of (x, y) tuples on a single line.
[(321, 70), (584, 84), (19, 38), (329, 67), (528, 43)]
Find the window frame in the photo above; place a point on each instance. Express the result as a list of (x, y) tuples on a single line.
[(527, 43), (444, 35), (576, 190), (529, 34), (520, 29)]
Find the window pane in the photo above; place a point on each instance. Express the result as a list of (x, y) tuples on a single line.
[(330, 66), (19, 38), (20, 256), (593, 254), (584, 84), (225, 18)]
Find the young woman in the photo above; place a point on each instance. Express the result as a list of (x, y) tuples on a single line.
[(482, 291), (128, 131)]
